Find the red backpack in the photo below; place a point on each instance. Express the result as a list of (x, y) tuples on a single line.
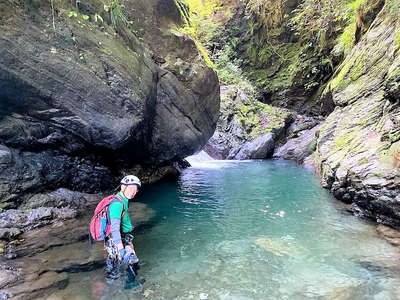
[(100, 225)]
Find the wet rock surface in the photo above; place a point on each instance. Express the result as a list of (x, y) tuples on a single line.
[(300, 140), (39, 260), (45, 209), (260, 148), (246, 124), (357, 144), (101, 102)]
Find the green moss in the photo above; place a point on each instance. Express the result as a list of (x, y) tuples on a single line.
[(357, 69), (354, 5), (347, 38), (259, 118), (282, 63), (345, 140), (204, 53), (397, 38), (394, 136), (386, 156), (338, 79), (251, 52), (351, 69), (393, 8)]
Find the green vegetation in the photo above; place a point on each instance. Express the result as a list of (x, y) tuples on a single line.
[(259, 118), (197, 14), (197, 25), (115, 8), (393, 7), (397, 38), (202, 22), (320, 21), (346, 139), (347, 38), (269, 13), (351, 69), (229, 72)]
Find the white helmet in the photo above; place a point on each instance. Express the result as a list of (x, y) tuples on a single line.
[(130, 180)]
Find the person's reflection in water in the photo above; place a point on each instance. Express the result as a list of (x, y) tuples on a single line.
[(105, 290), (99, 288)]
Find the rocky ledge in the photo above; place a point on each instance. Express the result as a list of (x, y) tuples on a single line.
[(38, 260), (358, 145)]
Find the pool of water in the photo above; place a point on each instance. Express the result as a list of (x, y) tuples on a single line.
[(250, 230)]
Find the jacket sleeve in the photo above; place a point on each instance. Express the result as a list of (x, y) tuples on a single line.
[(115, 211), (115, 230)]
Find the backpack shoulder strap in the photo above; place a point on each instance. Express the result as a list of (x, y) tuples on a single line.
[(118, 199), (115, 198)]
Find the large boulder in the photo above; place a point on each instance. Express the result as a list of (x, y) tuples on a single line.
[(242, 120), (260, 148), (82, 101), (301, 142), (358, 144)]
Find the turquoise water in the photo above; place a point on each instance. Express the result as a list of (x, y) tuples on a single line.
[(251, 230)]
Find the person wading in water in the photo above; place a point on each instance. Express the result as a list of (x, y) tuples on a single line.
[(119, 243)]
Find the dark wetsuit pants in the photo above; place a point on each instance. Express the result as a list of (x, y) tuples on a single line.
[(114, 266)]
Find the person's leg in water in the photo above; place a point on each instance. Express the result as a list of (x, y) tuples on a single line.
[(112, 269), (133, 265), (113, 263)]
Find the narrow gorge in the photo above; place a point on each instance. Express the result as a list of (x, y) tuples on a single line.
[(92, 90)]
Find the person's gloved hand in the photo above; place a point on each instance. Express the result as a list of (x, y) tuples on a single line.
[(129, 250), (125, 254), (132, 259), (121, 254)]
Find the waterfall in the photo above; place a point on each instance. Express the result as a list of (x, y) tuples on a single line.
[(199, 158)]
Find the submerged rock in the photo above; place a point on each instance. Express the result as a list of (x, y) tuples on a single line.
[(277, 247), (390, 234), (43, 257)]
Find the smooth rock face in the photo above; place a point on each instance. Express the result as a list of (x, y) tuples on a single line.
[(261, 147), (358, 142), (80, 103), (300, 147)]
